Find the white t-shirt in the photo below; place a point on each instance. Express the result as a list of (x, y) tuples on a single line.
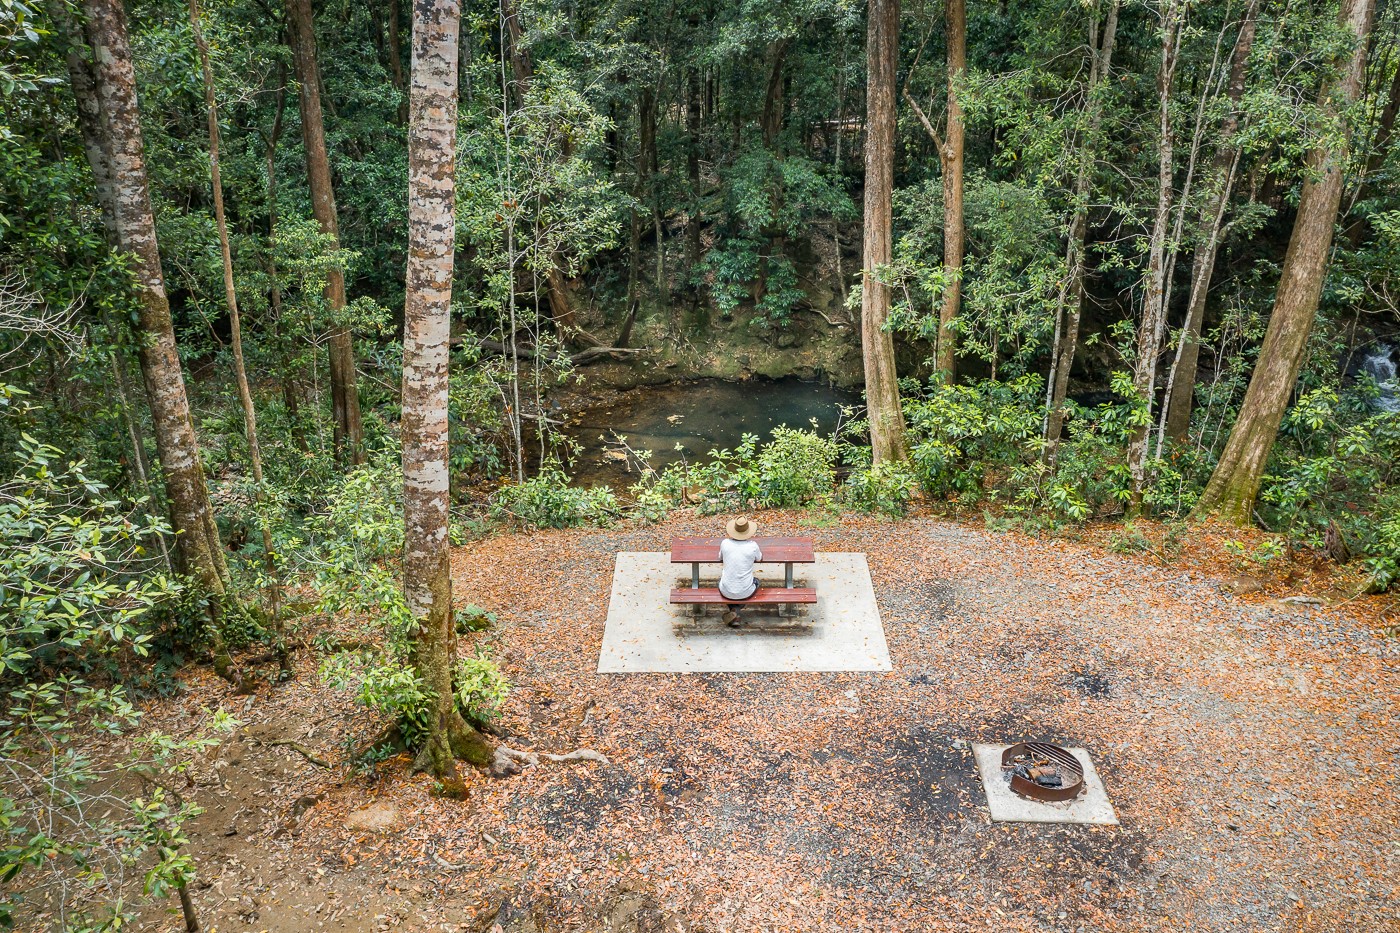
[(737, 582)]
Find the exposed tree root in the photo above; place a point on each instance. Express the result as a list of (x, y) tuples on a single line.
[(580, 754), (509, 761), (297, 747)]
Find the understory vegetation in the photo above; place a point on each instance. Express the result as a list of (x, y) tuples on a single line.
[(977, 448)]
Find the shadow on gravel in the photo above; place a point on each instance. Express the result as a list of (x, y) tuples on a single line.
[(580, 805), (1075, 868), (935, 779), (1023, 723), (942, 840), (936, 598), (1095, 684)]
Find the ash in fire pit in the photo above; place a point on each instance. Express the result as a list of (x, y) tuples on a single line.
[(1042, 771)]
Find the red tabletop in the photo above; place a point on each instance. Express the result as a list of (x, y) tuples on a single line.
[(775, 550)]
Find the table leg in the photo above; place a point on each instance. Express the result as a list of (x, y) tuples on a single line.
[(787, 575), (695, 576)]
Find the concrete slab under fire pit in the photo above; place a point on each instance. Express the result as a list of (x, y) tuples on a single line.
[(1006, 806), (644, 632)]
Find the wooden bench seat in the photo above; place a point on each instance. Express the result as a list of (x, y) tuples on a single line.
[(764, 596)]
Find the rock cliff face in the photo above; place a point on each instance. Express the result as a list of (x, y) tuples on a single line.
[(690, 339)]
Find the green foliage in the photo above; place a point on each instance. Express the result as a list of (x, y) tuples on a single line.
[(794, 468), (353, 546), (766, 196), (474, 419), (388, 686), (1255, 558), (79, 573), (1379, 540), (359, 538), (357, 541), (1129, 541), (471, 618), (547, 500), (960, 433), (981, 442), (481, 688), (1336, 466), (81, 582), (1010, 276), (885, 488)]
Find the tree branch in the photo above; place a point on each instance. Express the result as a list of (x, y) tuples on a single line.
[(933, 133)]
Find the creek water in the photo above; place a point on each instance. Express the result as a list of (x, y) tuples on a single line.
[(699, 416), (1380, 366)]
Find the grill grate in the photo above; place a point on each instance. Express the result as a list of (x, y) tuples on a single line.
[(1019, 759)]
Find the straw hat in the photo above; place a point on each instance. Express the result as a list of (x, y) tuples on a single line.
[(741, 529)]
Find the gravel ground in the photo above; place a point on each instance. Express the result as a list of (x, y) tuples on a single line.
[(1248, 745)]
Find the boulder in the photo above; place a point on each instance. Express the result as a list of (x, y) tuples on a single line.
[(1244, 584), (378, 818)]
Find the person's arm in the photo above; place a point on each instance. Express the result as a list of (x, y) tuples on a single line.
[(757, 551)]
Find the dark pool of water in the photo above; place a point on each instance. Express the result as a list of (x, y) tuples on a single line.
[(700, 416)]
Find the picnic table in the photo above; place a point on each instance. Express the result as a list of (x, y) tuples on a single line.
[(785, 551)]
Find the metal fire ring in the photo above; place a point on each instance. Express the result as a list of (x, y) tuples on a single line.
[(1071, 771)]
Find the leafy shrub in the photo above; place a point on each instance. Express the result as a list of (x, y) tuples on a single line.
[(886, 488), (1254, 558), (730, 480), (1379, 541), (1089, 477), (360, 536), (80, 580), (389, 686), (354, 543), (1337, 470), (959, 434), (795, 468), (473, 418), (480, 687), (471, 618), (76, 571), (1129, 541), (548, 501)]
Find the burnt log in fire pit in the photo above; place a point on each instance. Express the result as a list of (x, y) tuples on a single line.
[(1041, 771)]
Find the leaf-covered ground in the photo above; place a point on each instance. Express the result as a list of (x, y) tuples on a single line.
[(1248, 744)]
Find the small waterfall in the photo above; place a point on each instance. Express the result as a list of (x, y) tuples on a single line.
[(1380, 366)]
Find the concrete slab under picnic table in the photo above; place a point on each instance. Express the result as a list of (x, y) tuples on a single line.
[(645, 633)]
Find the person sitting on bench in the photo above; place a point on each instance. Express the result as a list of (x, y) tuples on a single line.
[(739, 554)]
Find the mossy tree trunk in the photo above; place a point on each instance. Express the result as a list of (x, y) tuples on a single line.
[(82, 77), (1071, 298), (1181, 385), (1234, 486), (889, 438), (692, 167), (240, 371), (347, 426), (1153, 324), (427, 581), (198, 546), (952, 163)]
